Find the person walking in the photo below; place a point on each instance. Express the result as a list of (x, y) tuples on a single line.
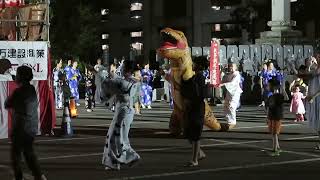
[(274, 105), (194, 110), (24, 103)]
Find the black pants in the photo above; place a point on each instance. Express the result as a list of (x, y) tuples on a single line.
[(24, 144)]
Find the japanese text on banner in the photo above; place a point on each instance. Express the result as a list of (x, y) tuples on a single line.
[(29, 53), (214, 63)]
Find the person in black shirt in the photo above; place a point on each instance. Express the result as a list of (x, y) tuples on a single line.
[(274, 106), (24, 103), (193, 89)]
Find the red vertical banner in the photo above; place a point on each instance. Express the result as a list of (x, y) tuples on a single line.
[(214, 63)]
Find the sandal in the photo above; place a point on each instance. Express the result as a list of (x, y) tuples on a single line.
[(202, 157), (111, 169), (274, 153), (191, 164)]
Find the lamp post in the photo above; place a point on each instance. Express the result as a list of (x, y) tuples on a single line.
[(105, 38), (105, 49), (136, 14)]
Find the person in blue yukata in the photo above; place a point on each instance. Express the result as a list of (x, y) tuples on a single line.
[(146, 88), (267, 74), (68, 66), (74, 77)]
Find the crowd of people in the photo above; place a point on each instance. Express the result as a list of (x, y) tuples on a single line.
[(127, 88), (92, 79)]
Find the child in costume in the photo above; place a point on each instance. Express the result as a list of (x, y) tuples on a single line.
[(274, 106), (297, 106)]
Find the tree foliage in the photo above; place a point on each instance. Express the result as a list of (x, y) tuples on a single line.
[(75, 30)]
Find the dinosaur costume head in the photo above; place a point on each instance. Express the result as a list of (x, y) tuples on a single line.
[(174, 46)]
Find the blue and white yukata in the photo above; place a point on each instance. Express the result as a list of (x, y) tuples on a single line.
[(57, 74), (266, 76), (67, 69), (146, 89), (117, 149), (74, 77), (280, 77)]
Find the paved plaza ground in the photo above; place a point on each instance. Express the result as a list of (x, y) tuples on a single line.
[(241, 153)]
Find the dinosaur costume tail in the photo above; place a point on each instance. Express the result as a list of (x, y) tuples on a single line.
[(210, 120)]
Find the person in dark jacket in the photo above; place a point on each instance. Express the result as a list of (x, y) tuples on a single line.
[(194, 110), (24, 103), (274, 106)]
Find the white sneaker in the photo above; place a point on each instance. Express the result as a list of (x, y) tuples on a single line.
[(149, 107), (143, 106), (89, 110), (78, 104)]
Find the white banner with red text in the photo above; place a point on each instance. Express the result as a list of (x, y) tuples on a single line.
[(214, 63), (29, 53)]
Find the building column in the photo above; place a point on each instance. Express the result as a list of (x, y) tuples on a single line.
[(196, 23), (147, 34), (281, 15), (281, 23)]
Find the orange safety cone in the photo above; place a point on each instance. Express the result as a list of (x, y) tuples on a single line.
[(66, 126), (73, 108)]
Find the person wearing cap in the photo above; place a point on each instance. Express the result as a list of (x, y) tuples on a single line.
[(5, 68), (231, 82)]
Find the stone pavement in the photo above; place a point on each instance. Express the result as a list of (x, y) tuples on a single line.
[(241, 153)]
